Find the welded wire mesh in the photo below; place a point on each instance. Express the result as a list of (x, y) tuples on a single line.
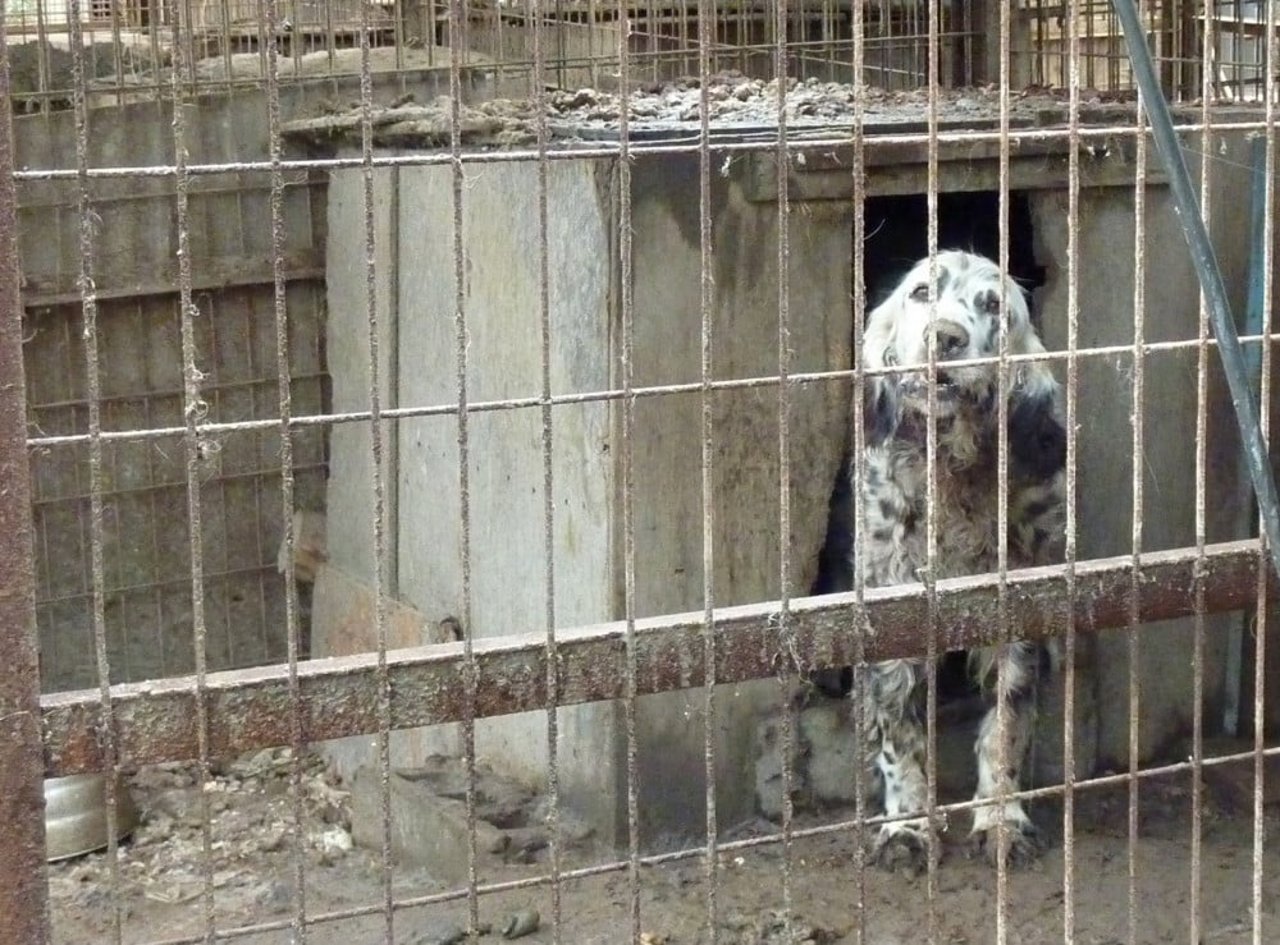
[(562, 328)]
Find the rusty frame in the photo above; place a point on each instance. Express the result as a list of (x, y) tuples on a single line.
[(24, 913), (250, 709)]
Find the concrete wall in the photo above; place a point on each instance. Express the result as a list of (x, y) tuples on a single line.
[(505, 447), (1106, 238), (745, 452), (416, 307), (505, 451)]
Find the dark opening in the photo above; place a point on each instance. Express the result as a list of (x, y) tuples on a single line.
[(896, 237)]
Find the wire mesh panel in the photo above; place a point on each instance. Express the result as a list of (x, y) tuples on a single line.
[(651, 472)]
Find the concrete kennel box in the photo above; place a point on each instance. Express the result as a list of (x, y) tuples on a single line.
[(416, 290), (415, 266)]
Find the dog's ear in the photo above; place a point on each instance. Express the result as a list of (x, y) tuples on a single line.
[(880, 406), (880, 410), (1037, 439), (1037, 434)]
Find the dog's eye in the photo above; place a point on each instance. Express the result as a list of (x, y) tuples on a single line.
[(991, 304), (920, 293)]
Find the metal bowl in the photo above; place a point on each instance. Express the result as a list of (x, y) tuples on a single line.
[(75, 814)]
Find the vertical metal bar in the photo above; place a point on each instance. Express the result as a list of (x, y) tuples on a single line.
[(382, 568), (24, 915), (1072, 523), (1206, 264), (495, 19), (682, 29), (1002, 491), (189, 58), (706, 299), (89, 316), (548, 483), (42, 56), (1113, 63), (931, 493), (331, 39), (857, 469), (782, 161), (284, 391), (1195, 907), (398, 36), (627, 305), (225, 14), (117, 45), (1271, 57), (194, 411), (1139, 483), (652, 11), (594, 57), (457, 24), (1089, 37)]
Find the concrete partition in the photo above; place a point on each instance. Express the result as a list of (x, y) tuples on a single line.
[(417, 293)]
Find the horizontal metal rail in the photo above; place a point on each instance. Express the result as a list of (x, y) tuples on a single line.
[(250, 709), (801, 139), (299, 421)]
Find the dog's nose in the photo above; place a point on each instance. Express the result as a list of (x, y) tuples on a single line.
[(952, 337)]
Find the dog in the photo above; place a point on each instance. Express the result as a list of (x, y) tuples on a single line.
[(966, 324)]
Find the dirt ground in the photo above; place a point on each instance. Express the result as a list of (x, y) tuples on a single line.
[(162, 877)]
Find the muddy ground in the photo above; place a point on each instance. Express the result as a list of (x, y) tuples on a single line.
[(253, 868)]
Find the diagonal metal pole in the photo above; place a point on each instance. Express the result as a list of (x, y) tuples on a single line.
[(1206, 264)]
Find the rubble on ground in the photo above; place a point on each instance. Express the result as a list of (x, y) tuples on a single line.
[(251, 814)]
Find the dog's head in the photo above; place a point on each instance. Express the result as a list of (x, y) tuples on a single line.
[(966, 325)]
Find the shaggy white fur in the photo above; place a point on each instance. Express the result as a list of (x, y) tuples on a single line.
[(966, 323)]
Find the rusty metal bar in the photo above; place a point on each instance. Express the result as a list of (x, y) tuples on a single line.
[(468, 682), (660, 390), (24, 914), (88, 220), (555, 840), (249, 709), (817, 139), (1002, 483), (627, 671), (269, 19), (1138, 453), (1072, 477), (1262, 630), (1209, 296), (783, 616), (706, 301), (857, 463), (933, 621)]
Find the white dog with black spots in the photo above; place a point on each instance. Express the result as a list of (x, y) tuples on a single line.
[(966, 323)]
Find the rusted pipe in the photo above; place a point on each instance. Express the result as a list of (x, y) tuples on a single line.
[(23, 887), (249, 709)]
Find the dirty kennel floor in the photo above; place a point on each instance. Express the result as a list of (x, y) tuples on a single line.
[(161, 877)]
